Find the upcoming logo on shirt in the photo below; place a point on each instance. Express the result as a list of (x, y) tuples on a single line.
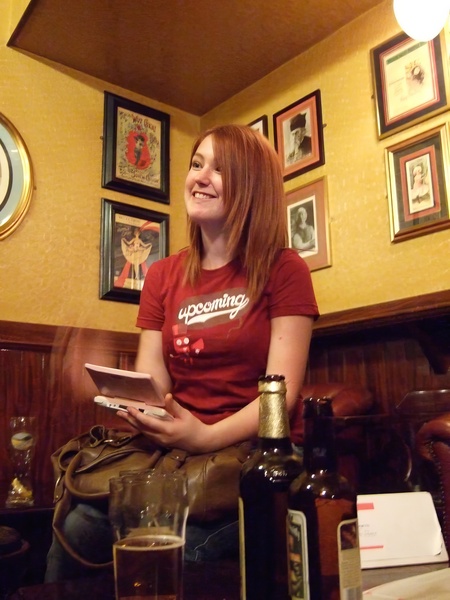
[(218, 307)]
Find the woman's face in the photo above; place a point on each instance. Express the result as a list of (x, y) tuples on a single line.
[(417, 172), (302, 215), (203, 192)]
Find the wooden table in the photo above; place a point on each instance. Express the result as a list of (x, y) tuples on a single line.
[(202, 581)]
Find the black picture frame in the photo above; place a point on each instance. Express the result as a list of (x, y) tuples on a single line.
[(310, 153), (136, 149), (410, 81), (261, 124), (128, 232)]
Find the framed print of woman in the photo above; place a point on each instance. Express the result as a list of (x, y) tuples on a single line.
[(136, 251)]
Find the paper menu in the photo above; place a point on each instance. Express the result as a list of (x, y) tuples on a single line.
[(428, 586), (399, 529)]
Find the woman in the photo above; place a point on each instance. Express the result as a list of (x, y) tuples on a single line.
[(304, 237), (232, 306)]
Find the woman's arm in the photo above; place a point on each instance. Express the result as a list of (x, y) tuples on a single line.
[(150, 359), (288, 356), (310, 241)]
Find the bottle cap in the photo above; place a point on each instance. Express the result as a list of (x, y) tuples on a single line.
[(272, 383), (320, 407)]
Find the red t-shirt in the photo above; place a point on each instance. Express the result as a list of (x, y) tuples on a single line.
[(215, 341)]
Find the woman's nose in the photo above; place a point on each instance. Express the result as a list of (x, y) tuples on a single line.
[(203, 174)]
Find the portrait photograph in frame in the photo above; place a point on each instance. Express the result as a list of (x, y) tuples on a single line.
[(417, 184), (132, 238), (307, 218), (410, 82), (136, 154), (16, 178), (261, 124), (298, 136)]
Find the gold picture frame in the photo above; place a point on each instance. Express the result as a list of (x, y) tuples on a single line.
[(308, 230), (16, 178), (417, 184)]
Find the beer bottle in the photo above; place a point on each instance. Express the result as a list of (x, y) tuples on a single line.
[(264, 486), (323, 543)]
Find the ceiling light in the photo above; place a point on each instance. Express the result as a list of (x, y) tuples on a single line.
[(421, 19)]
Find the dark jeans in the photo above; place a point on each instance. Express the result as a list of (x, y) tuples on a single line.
[(89, 533)]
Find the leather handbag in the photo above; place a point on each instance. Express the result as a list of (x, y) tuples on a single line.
[(85, 464), (212, 480)]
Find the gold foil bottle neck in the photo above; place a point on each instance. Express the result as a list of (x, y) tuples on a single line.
[(273, 416)]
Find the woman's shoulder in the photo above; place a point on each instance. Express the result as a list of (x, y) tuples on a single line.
[(289, 266), (289, 257)]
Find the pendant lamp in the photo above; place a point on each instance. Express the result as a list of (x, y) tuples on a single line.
[(422, 19)]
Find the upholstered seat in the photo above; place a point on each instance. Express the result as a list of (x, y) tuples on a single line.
[(347, 400), (433, 445)]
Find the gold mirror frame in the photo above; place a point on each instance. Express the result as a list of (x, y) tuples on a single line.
[(16, 178)]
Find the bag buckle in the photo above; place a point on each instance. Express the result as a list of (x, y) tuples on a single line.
[(99, 434)]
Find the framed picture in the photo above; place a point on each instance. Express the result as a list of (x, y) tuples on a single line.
[(132, 238), (307, 217), (410, 81), (298, 136), (136, 152), (417, 184), (16, 178), (261, 125)]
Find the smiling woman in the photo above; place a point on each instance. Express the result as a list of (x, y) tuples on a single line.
[(16, 181), (215, 316)]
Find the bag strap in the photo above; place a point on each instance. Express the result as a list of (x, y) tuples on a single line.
[(62, 509), (87, 450), (76, 467), (65, 490)]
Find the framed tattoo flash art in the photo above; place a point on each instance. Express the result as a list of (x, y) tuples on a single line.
[(417, 183), (16, 178), (298, 136), (410, 81), (308, 224), (132, 238), (136, 152), (261, 125)]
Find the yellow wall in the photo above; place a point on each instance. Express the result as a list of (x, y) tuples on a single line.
[(366, 267), (49, 267)]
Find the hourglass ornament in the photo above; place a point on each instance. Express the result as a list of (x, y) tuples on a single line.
[(22, 441)]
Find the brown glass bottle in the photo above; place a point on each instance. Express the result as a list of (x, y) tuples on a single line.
[(264, 486), (324, 560)]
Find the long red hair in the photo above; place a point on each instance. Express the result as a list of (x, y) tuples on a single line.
[(254, 202)]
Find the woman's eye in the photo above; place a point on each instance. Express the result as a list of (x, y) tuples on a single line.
[(196, 165)]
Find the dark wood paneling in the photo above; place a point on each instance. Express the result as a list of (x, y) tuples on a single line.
[(391, 350), (388, 367), (42, 374)]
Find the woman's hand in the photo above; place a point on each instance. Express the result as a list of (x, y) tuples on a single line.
[(184, 431)]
